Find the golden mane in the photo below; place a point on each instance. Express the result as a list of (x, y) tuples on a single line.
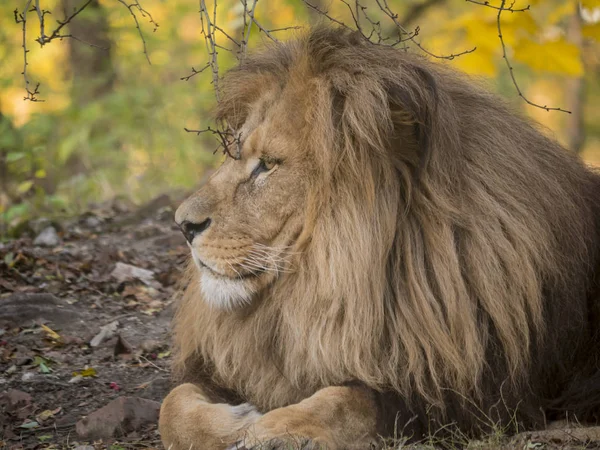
[(443, 237)]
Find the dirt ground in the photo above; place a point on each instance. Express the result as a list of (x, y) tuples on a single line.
[(54, 300), (84, 319)]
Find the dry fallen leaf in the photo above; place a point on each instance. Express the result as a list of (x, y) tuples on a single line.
[(87, 372), (51, 334)]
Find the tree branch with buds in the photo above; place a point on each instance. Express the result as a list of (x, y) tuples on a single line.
[(31, 6)]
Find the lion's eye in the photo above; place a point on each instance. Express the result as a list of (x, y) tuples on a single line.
[(264, 165)]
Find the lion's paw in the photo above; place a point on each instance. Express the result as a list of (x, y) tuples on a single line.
[(279, 443), (247, 411)]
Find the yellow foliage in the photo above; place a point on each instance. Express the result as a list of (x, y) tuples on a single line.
[(559, 56), (519, 24), (480, 62), (590, 4), (281, 14), (592, 31), (565, 9)]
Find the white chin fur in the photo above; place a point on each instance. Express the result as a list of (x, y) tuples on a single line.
[(224, 293), (221, 292)]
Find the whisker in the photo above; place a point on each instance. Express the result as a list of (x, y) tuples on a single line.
[(232, 268)]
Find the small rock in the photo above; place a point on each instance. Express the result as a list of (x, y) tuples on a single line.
[(126, 272), (11, 369), (121, 416), (150, 345), (106, 332), (27, 377), (47, 238), (14, 400), (39, 225), (92, 221)]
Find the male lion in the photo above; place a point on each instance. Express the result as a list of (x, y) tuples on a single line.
[(392, 251)]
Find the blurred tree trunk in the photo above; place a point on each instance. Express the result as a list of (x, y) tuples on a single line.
[(91, 66), (576, 89)]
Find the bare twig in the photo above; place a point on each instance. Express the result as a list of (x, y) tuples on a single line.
[(57, 33), (224, 33), (249, 25), (144, 14), (293, 27), (208, 30), (326, 15), (369, 28), (75, 38), (32, 94), (509, 65), (227, 138), (195, 72), (501, 7), (43, 39), (383, 5), (375, 26), (258, 25), (376, 30)]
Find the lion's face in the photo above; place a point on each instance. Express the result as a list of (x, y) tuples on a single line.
[(241, 224)]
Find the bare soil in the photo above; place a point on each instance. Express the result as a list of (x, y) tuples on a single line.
[(55, 299)]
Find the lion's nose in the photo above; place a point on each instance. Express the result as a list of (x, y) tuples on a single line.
[(190, 229)]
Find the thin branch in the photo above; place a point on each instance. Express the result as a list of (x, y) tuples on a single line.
[(32, 94), (501, 7), (43, 39), (403, 34), (375, 26), (144, 14), (226, 139), (510, 67), (41, 15), (259, 26), (326, 15), (243, 44), (195, 72), (250, 14), (383, 4), (227, 136), (75, 38), (294, 27), (224, 33), (208, 30)]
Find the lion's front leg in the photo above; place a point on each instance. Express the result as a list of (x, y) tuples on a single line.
[(334, 418), (188, 420)]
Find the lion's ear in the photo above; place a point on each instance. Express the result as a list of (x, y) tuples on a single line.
[(413, 102)]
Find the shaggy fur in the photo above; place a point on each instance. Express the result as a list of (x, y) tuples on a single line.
[(448, 258)]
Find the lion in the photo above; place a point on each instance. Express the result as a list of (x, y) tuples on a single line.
[(390, 251)]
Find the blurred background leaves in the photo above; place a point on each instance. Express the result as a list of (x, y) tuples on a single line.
[(111, 124)]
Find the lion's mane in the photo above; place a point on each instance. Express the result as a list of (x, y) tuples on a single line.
[(449, 254)]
